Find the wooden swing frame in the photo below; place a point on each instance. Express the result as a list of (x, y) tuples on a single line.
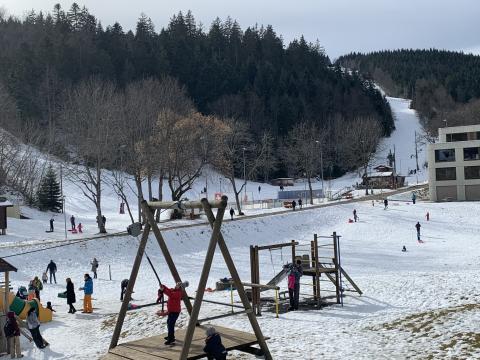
[(216, 238)]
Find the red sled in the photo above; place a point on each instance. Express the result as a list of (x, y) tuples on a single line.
[(350, 221)]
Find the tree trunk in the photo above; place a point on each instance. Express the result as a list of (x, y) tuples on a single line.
[(310, 189), (98, 204), (149, 183), (237, 199), (138, 182), (366, 180), (160, 193)]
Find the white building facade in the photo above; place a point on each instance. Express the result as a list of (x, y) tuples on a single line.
[(454, 164)]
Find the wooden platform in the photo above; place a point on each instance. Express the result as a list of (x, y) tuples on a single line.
[(152, 348)]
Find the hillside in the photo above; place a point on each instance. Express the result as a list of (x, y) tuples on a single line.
[(441, 84)]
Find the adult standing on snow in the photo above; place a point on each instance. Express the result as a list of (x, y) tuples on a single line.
[(418, 226), (70, 296), (87, 297), (52, 269), (232, 212), (51, 224), (355, 217), (295, 272), (300, 203), (12, 333), (94, 264), (294, 203), (104, 220), (385, 203), (72, 222), (414, 197)]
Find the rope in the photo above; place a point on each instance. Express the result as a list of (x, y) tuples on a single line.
[(271, 259)]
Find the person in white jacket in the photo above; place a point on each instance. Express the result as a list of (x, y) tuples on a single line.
[(34, 326)]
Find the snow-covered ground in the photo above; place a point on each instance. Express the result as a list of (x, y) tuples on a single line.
[(418, 304)]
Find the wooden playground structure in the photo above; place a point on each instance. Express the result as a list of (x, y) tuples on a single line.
[(190, 340), (320, 257)]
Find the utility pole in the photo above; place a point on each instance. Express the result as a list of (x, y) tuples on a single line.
[(416, 156)]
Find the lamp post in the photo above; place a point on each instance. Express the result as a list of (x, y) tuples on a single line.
[(446, 123), (244, 174), (321, 165)]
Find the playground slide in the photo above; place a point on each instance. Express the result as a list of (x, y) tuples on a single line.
[(279, 277), (21, 307)]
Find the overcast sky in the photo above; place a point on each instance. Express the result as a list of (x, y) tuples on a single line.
[(341, 26)]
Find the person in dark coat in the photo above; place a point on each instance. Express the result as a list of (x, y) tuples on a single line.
[(72, 222), (12, 333), (418, 226), (34, 327), (213, 345), (52, 268), (104, 220), (300, 203), (385, 203), (355, 217), (232, 212), (294, 275), (51, 224), (123, 286), (294, 203), (71, 299)]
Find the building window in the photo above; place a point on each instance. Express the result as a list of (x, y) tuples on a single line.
[(444, 155), (457, 137), (472, 153), (472, 172), (448, 173)]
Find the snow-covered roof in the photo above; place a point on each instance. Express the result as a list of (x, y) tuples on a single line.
[(5, 203), (381, 174)]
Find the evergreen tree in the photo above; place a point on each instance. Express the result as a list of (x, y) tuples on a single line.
[(48, 194)]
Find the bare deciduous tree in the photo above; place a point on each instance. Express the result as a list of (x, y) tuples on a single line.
[(88, 119), (360, 139), (303, 152)]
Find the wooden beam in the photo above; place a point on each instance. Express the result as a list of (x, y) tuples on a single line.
[(277, 246), (238, 284), (7, 291), (223, 315), (337, 268), (166, 253), (202, 283), (181, 205), (131, 284), (351, 281)]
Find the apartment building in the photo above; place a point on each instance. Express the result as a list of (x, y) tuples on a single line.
[(454, 164)]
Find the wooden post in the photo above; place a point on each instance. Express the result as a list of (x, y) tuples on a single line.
[(314, 261), (257, 281), (317, 270), (252, 275), (131, 284), (293, 251), (166, 253), (7, 291), (192, 323), (337, 269), (239, 286)]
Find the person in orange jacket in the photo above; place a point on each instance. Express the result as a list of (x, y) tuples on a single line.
[(174, 308)]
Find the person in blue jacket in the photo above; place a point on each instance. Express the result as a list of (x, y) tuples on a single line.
[(213, 345), (88, 291)]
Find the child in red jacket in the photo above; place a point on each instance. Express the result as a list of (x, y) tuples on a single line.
[(173, 307)]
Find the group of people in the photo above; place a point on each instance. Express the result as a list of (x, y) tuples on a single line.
[(74, 228), (294, 204)]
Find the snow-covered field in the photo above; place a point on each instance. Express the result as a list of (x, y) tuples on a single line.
[(419, 304), (416, 304)]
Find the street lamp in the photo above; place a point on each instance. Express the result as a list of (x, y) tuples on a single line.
[(446, 123), (321, 165), (244, 174)]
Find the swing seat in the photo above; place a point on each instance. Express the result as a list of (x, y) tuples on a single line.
[(162, 313)]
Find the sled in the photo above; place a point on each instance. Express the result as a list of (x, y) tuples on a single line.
[(48, 231)]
